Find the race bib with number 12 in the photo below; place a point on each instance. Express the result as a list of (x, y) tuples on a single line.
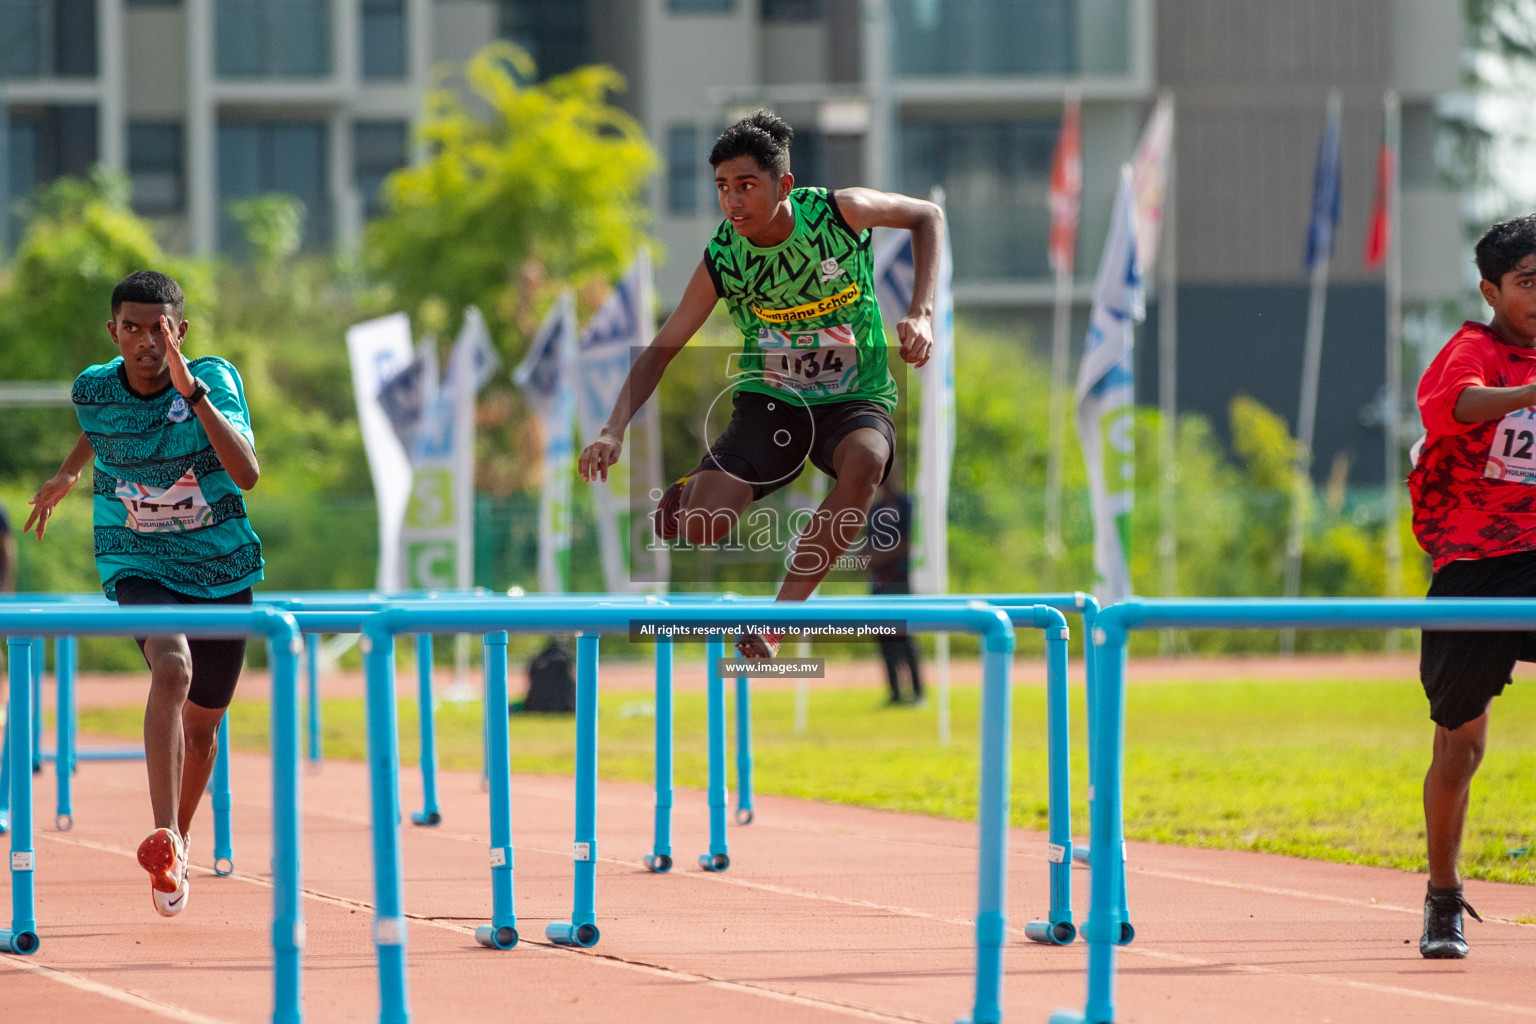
[(1512, 456)]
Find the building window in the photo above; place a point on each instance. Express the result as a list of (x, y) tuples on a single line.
[(47, 38), (791, 10), (684, 168), (985, 37), (701, 6), (156, 164), (257, 157), (273, 38), (995, 175), (383, 31), (379, 148), (554, 32), (41, 144)]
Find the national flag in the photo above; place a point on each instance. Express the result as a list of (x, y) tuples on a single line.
[(1066, 188), (1105, 396), (1324, 222), (1149, 177), (1378, 237)]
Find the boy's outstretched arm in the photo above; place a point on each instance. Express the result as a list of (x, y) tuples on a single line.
[(1477, 404), (691, 312), (865, 208), (53, 490)]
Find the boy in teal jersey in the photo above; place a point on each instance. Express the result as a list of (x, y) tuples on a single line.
[(795, 270), (173, 451)]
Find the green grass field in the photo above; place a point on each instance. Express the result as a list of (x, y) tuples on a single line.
[(1329, 769)]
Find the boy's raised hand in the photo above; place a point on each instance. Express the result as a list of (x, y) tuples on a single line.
[(181, 374)]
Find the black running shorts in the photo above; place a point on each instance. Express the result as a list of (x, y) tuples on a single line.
[(769, 438), (1463, 671), (216, 662)]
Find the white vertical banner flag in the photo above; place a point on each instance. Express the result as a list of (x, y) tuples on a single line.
[(893, 286), (473, 362), (1106, 396), (605, 349), (379, 350), (547, 377)]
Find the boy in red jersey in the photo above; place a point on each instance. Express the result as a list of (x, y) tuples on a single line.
[(1474, 511)]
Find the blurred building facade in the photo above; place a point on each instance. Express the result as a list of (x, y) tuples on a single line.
[(205, 101)]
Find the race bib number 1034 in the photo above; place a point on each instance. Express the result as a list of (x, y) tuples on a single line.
[(824, 362)]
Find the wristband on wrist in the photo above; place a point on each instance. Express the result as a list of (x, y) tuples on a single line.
[(199, 392)]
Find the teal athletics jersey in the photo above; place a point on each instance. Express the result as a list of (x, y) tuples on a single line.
[(165, 509), (810, 325)]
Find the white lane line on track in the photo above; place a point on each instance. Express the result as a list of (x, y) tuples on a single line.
[(1299, 894), (1332, 979), (750, 988), (121, 995)]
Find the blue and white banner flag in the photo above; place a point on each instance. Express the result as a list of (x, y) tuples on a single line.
[(438, 541), (607, 345), (548, 379), (894, 275), (1106, 396), (379, 351)]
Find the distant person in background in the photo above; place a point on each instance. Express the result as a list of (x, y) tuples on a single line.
[(890, 560), (7, 556), (1472, 490)]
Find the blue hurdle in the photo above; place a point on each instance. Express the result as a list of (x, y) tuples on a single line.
[(589, 621), (21, 623), (1106, 810)]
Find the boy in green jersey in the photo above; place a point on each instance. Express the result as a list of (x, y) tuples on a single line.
[(173, 451), (795, 269)]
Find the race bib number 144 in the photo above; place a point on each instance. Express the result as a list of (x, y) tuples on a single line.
[(1512, 456), (824, 362)]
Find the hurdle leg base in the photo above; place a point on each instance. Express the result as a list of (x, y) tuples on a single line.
[(1051, 933), (567, 933), (426, 818), (493, 937), (660, 863), (716, 862), (21, 943)]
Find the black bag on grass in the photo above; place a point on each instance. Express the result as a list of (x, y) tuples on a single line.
[(551, 681)]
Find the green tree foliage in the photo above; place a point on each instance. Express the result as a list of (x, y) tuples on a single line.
[(81, 239), (548, 172)]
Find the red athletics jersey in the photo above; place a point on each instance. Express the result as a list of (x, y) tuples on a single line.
[(1474, 487)]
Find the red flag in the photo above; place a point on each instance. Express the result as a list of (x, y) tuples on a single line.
[(1066, 188), (1378, 236)]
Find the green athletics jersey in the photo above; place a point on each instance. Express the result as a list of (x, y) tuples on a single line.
[(165, 508), (810, 325)]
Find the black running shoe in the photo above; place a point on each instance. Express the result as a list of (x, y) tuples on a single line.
[(668, 507), (1442, 939)]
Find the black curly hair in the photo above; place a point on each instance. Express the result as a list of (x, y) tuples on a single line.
[(762, 135), (1503, 246), (148, 286)]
